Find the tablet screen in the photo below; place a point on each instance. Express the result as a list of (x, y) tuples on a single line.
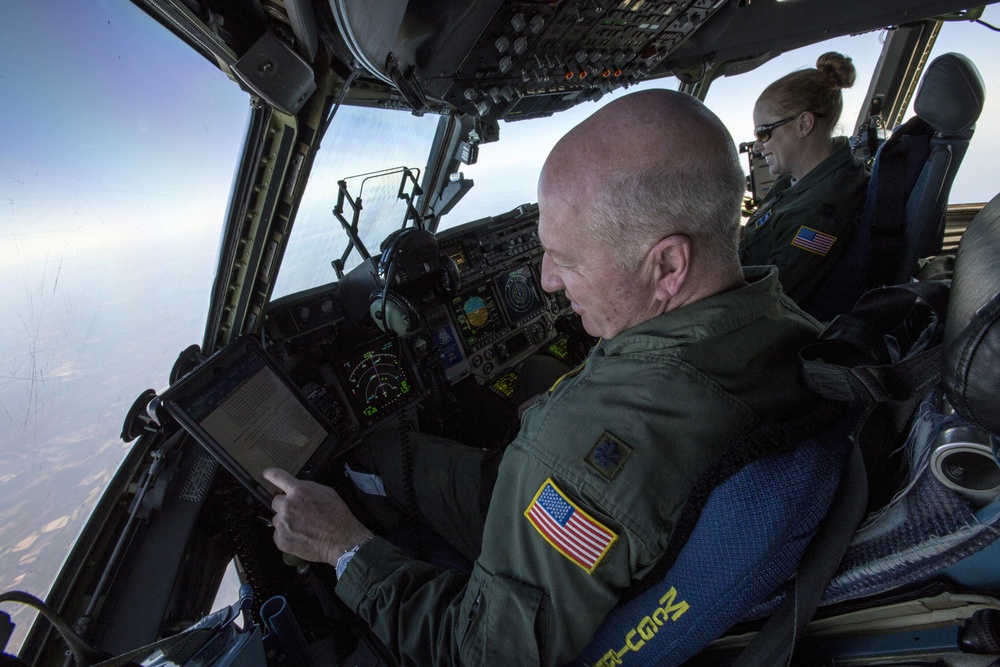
[(249, 414)]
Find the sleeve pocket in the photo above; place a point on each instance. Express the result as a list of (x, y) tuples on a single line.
[(505, 621)]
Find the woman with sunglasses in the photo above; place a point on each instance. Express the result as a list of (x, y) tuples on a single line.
[(808, 217)]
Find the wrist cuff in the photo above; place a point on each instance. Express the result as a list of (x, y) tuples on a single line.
[(346, 557)]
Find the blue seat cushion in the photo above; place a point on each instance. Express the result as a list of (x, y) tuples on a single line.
[(749, 539)]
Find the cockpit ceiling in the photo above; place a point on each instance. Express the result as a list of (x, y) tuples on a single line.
[(776, 26), (510, 59)]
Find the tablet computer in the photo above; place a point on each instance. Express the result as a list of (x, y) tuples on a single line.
[(250, 416)]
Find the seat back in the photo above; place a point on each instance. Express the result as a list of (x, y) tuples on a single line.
[(912, 174), (972, 331), (748, 541), (937, 529), (935, 522), (950, 100)]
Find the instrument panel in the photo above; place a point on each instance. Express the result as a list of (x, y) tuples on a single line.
[(499, 313), (480, 321)]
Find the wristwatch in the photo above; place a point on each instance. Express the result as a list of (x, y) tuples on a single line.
[(346, 557)]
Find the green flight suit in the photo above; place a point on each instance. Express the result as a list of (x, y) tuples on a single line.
[(623, 437), (803, 228)]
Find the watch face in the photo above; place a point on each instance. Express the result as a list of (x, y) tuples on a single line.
[(346, 557)]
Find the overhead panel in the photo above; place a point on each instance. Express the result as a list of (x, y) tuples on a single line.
[(515, 60), (538, 58)]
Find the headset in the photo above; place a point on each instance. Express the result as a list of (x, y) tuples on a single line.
[(408, 255)]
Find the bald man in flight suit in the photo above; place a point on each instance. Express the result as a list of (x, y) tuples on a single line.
[(639, 214)]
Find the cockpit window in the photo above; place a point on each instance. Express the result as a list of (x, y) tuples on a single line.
[(368, 149), (119, 146)]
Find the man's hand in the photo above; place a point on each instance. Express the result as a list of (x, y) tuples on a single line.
[(310, 520)]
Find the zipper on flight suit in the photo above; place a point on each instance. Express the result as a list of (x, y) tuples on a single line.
[(475, 607)]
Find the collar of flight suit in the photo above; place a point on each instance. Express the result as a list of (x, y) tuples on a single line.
[(703, 319), (840, 156)]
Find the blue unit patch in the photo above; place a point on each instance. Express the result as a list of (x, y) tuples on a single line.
[(608, 455)]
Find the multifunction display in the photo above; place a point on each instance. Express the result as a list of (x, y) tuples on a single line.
[(376, 382), (478, 315), (520, 293)]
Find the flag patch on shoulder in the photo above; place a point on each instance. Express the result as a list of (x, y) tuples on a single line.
[(573, 532), (814, 241)]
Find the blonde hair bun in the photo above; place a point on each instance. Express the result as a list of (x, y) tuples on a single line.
[(836, 70)]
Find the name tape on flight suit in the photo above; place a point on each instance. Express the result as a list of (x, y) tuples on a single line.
[(761, 215)]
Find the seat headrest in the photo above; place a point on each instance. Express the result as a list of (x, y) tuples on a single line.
[(972, 327), (951, 94)]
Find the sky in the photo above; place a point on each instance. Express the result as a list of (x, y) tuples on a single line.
[(117, 151), (109, 227)]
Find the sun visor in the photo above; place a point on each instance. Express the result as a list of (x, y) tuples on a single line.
[(411, 44), (371, 29)]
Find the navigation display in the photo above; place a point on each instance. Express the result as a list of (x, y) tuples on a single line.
[(519, 292), (478, 315), (376, 382)]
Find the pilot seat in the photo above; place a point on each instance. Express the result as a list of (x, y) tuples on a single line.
[(903, 220), (918, 580)]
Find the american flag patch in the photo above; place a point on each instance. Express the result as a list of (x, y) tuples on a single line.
[(813, 241), (568, 528)]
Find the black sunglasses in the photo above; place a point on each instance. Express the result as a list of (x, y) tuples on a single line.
[(762, 133)]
